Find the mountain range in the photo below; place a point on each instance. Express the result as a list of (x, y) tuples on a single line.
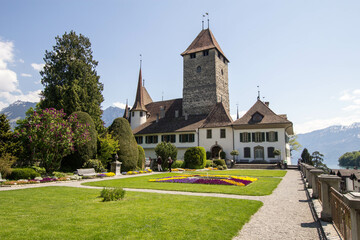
[(332, 141)]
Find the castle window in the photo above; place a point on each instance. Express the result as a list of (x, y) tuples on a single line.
[(132, 114), (224, 60), (192, 55), (187, 138), (208, 133), (141, 114), (151, 139), (272, 136), (206, 52), (168, 138), (219, 55), (222, 133), (258, 137), (222, 72), (139, 139), (247, 152), (198, 69), (270, 151), (245, 137)]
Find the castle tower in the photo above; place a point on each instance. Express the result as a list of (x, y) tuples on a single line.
[(138, 111), (205, 75)]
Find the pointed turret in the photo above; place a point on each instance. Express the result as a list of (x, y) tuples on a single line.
[(126, 112), (139, 104)]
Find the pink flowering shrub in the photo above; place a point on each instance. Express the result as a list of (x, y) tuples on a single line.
[(50, 136)]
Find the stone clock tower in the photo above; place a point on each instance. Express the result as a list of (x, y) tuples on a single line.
[(205, 75)]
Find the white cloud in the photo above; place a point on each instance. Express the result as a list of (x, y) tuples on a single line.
[(120, 105), (38, 66), (352, 96), (21, 60), (26, 75), (9, 91), (351, 108)]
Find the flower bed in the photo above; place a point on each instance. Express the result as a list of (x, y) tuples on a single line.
[(137, 172), (207, 179)]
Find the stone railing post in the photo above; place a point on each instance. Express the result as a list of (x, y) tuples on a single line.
[(327, 181), (352, 199), (308, 175), (314, 179)]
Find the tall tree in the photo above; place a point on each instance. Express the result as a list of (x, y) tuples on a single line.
[(305, 156), (294, 144), (70, 79)]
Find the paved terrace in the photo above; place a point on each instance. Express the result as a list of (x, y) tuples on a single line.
[(286, 213)]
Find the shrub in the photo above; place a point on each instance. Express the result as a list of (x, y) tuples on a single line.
[(178, 164), (219, 162), (5, 164), (166, 150), (84, 151), (23, 173), (94, 163), (141, 158), (223, 155), (128, 153), (220, 167), (209, 163), (112, 194), (39, 170), (195, 157), (107, 148), (59, 174)]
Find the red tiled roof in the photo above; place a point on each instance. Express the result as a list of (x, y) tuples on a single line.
[(218, 117), (205, 40), (268, 117), (139, 104)]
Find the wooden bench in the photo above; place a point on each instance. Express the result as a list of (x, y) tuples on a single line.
[(86, 172)]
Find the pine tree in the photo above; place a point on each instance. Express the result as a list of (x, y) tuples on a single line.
[(70, 79)]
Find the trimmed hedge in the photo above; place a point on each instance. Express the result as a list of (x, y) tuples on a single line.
[(166, 150), (219, 162), (195, 158), (85, 152), (128, 153), (23, 173), (178, 164), (208, 163), (141, 159)]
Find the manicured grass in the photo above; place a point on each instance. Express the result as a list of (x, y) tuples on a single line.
[(74, 213), (263, 186), (248, 172)]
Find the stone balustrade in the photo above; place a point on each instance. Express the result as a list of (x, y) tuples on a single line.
[(312, 175)]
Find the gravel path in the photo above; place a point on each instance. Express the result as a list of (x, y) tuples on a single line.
[(285, 215)]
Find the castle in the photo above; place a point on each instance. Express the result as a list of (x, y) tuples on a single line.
[(201, 117)]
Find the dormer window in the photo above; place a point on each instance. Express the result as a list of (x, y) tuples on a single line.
[(257, 117), (192, 55), (205, 52)]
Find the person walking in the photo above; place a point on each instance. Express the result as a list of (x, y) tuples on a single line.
[(159, 162), (170, 163)]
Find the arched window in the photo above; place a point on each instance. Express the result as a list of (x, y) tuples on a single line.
[(198, 69)]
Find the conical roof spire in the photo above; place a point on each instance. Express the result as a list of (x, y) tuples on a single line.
[(126, 112), (139, 104)]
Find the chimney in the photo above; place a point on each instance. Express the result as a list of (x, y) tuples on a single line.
[(267, 104)]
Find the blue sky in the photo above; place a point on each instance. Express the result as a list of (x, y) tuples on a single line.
[(304, 55)]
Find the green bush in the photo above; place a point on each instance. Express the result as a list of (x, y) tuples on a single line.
[(86, 151), (141, 159), (209, 163), (195, 158), (166, 150), (107, 148), (40, 170), (94, 163), (5, 164), (23, 173), (128, 153), (178, 164), (223, 155), (219, 162), (220, 167), (112, 194), (59, 174)]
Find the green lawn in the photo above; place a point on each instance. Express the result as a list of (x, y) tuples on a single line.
[(263, 186), (74, 213)]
